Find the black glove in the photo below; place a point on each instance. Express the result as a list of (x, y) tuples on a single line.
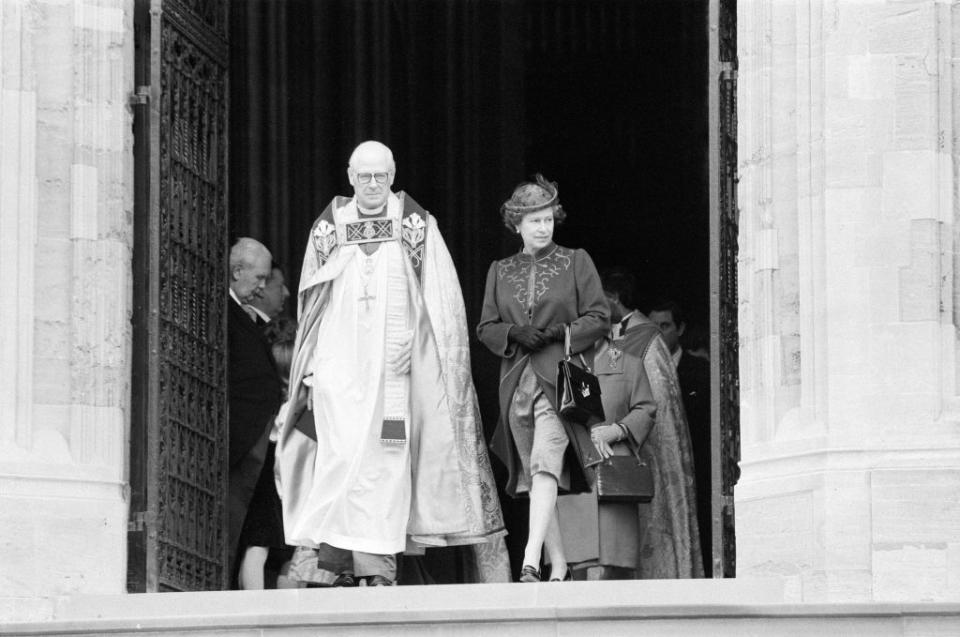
[(554, 333), (527, 336)]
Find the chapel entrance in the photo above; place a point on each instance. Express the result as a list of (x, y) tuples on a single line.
[(628, 105), (612, 99)]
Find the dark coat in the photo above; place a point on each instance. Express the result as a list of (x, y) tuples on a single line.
[(609, 532), (694, 376), (254, 392), (659, 539), (566, 290)]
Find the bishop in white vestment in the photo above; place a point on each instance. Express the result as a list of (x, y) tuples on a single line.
[(380, 447)]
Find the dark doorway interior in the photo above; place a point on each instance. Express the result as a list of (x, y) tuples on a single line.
[(606, 97)]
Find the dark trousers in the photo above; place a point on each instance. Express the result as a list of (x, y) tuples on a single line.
[(361, 564)]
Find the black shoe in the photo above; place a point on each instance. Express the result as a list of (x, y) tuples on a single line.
[(345, 580), (566, 578), (529, 574), (379, 580)]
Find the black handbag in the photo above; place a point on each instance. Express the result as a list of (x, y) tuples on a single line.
[(624, 479), (578, 390)]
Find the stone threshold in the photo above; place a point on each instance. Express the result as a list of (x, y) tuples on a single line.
[(715, 607)]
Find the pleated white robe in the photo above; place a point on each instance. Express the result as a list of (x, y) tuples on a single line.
[(361, 499)]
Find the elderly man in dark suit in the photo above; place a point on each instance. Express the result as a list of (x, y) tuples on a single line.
[(272, 301), (254, 385)]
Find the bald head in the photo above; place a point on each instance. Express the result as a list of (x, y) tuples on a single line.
[(372, 152), (370, 171), (249, 268)]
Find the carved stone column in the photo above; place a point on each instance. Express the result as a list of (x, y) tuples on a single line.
[(65, 242), (851, 443)]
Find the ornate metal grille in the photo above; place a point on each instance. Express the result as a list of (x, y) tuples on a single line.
[(728, 30), (182, 472), (725, 417), (192, 244), (729, 333), (211, 14), (726, 238)]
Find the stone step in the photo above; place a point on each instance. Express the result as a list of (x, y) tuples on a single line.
[(671, 607)]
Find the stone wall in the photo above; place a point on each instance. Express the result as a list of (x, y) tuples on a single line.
[(848, 197), (66, 215)]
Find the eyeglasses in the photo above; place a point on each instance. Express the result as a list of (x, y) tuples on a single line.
[(364, 178)]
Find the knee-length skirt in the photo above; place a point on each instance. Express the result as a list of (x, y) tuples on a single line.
[(538, 434)]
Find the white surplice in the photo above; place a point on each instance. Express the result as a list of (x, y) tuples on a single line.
[(362, 487)]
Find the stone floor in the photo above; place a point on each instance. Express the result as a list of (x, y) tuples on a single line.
[(704, 607)]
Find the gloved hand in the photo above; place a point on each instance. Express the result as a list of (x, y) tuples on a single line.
[(527, 336), (399, 347), (554, 333), (278, 422), (308, 383), (604, 437)]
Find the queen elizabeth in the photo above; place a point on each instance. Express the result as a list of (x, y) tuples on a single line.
[(530, 298)]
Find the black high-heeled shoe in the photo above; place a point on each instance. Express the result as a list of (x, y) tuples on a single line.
[(529, 574)]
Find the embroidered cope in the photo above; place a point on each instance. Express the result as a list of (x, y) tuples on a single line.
[(340, 482)]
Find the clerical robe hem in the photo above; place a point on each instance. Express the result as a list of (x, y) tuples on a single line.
[(364, 545), (433, 541)]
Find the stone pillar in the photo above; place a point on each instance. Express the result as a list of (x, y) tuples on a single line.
[(66, 215), (848, 194)]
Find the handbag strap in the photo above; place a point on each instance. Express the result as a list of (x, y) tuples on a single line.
[(631, 444), (567, 347)]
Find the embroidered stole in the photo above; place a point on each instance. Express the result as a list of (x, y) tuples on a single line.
[(396, 389)]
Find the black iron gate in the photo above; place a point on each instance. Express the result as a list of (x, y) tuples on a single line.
[(725, 344), (178, 460)]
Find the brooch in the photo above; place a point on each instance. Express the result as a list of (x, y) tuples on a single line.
[(615, 355)]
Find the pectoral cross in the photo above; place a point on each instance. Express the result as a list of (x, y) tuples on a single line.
[(366, 298)]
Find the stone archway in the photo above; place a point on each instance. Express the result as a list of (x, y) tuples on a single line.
[(178, 415)]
